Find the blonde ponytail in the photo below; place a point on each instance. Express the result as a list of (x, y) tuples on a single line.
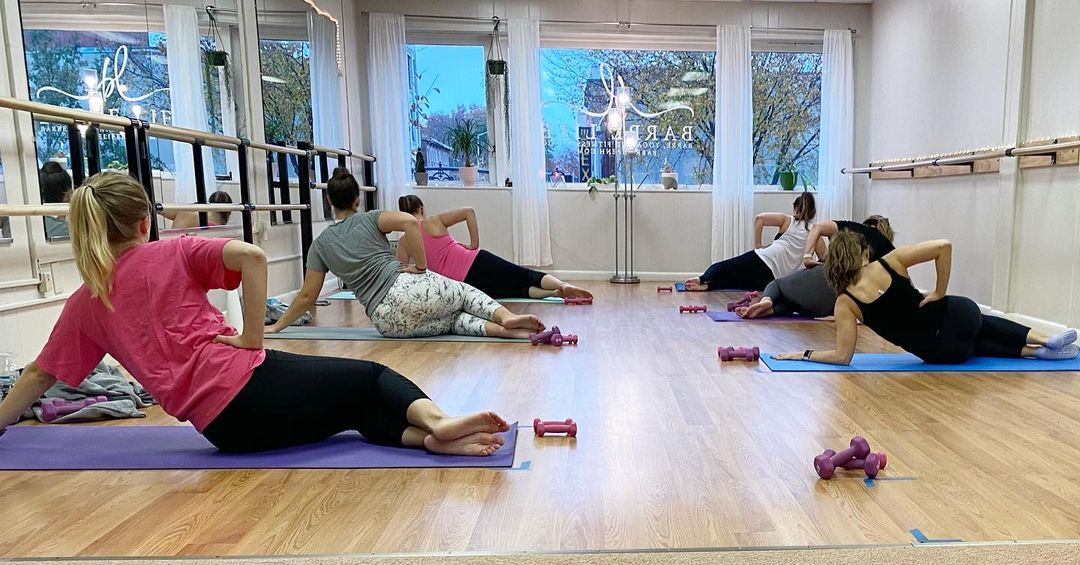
[(105, 212)]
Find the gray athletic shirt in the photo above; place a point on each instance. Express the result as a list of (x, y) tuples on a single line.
[(359, 254)]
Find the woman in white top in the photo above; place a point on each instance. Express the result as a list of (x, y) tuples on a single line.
[(756, 268)]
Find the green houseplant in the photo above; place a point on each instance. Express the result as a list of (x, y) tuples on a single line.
[(421, 169), (467, 138)]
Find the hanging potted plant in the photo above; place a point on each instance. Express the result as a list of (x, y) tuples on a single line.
[(214, 56), (421, 169), (466, 140), (496, 65)]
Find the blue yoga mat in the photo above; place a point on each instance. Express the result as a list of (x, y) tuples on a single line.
[(371, 334), (71, 447), (906, 362), (348, 295), (733, 317)]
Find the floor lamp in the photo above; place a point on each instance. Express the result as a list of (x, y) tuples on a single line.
[(627, 145)]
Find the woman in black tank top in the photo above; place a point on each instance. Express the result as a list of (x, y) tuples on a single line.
[(935, 327)]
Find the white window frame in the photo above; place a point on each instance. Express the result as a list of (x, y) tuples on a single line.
[(781, 41), (420, 31), (642, 38)]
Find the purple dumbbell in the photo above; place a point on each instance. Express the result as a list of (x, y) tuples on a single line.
[(826, 463), (53, 408)]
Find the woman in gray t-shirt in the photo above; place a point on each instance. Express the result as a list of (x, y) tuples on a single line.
[(401, 301)]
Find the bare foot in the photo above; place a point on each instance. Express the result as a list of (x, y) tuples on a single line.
[(449, 429), (478, 445), (571, 291), (760, 309), (522, 322), (696, 287)]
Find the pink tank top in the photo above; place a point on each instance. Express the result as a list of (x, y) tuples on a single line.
[(446, 256)]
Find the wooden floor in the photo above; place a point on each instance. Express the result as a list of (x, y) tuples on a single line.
[(675, 450)]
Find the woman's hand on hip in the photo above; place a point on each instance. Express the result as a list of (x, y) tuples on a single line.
[(242, 341), (931, 297)]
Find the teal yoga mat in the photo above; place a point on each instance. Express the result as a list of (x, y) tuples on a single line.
[(348, 295), (371, 334)]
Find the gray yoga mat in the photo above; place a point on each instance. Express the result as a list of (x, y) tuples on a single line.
[(371, 334), (348, 295)]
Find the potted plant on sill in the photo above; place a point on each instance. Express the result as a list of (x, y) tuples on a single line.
[(603, 183), (788, 178), (466, 139), (669, 179), (421, 169)]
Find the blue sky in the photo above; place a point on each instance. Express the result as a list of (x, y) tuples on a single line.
[(456, 70)]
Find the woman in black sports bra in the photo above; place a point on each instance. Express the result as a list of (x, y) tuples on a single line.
[(935, 327)]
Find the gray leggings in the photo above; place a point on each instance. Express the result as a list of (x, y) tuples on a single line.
[(805, 292), (427, 304)]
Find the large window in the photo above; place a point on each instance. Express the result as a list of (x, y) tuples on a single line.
[(286, 68), (119, 73), (787, 116), (673, 95), (447, 91)]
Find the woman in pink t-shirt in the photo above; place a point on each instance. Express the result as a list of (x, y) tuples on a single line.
[(484, 270), (145, 304)]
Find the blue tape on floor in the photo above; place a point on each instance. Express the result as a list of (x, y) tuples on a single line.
[(921, 538), (524, 466), (870, 482)]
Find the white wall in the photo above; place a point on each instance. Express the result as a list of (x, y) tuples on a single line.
[(1044, 278), (942, 81), (938, 85)]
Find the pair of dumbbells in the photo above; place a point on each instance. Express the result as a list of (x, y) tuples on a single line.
[(857, 456), (553, 336), (583, 300), (54, 408), (692, 308), (746, 300), (740, 353), (567, 426)]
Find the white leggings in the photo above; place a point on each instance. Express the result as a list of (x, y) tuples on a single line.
[(429, 304)]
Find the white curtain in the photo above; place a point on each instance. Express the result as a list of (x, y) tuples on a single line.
[(326, 109), (733, 153), (387, 91), (837, 125), (532, 233), (186, 96)]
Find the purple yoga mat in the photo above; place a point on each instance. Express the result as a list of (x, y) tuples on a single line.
[(733, 317), (72, 447)]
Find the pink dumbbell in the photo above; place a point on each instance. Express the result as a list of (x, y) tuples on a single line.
[(743, 353), (873, 463), (567, 427), (537, 338), (53, 408), (581, 300), (746, 300), (665, 289), (693, 308), (827, 463), (569, 339)]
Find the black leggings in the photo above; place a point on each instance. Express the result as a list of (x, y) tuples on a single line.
[(745, 272), (966, 332), (299, 399), (499, 278)]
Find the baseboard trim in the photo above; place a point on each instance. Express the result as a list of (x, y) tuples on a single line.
[(605, 275)]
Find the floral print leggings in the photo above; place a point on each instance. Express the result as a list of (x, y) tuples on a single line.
[(429, 304)]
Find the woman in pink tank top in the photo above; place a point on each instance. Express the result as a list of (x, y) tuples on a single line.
[(484, 270)]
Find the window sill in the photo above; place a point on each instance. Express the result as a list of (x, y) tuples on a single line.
[(458, 187), (766, 189), (642, 190)]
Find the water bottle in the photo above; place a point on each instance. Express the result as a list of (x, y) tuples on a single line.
[(8, 374)]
